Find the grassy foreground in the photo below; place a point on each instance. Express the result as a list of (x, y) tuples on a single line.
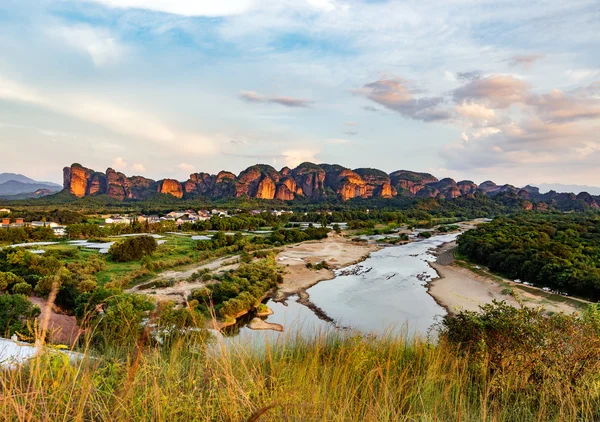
[(331, 377)]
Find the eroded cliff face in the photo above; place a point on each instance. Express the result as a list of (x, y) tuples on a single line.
[(411, 182), (310, 178), (313, 181), (76, 179), (467, 187), (170, 187)]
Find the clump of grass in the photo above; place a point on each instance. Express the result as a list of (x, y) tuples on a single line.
[(328, 377)]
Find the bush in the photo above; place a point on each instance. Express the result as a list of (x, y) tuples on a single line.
[(8, 280), (133, 248), (503, 339), (16, 311), (22, 289)]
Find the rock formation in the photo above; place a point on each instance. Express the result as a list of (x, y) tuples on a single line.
[(170, 187), (311, 181)]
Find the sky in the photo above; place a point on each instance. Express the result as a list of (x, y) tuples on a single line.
[(502, 90)]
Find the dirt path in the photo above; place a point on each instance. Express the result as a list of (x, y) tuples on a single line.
[(182, 289), (180, 275), (61, 328)]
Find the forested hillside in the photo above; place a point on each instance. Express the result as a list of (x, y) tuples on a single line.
[(560, 251)]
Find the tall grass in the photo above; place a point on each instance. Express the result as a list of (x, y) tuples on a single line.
[(330, 377)]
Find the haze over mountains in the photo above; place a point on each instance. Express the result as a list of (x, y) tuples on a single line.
[(18, 186), (308, 180)]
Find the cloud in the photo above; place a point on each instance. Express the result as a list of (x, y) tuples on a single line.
[(295, 157), (124, 120), (394, 95), (101, 46), (371, 109), (558, 106), (254, 97), (351, 133), (324, 5), (468, 76), (496, 91), (210, 8), (119, 164), (338, 141), (525, 61), (477, 114), (186, 167), (139, 168)]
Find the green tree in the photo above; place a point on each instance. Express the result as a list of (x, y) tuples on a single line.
[(16, 311), (133, 248)]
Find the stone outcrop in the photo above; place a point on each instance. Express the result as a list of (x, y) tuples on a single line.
[(170, 187), (310, 178), (467, 187), (311, 181), (76, 179), (410, 182), (588, 199)]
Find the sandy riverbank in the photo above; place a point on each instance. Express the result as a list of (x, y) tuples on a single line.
[(459, 288), (336, 250)]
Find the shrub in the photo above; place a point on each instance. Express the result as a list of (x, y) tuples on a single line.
[(133, 248), (22, 289), (9, 279), (16, 311), (501, 340)]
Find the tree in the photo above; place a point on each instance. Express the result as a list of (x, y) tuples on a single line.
[(133, 248), (16, 311), (8, 279)]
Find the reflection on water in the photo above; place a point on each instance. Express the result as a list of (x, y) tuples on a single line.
[(385, 292)]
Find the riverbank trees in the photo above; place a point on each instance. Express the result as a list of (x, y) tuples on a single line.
[(555, 250)]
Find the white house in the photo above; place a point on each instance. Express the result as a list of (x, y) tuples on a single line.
[(118, 220), (60, 231), (4, 211)]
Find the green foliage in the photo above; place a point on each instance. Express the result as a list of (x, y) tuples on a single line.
[(502, 340), (16, 313), (133, 248), (114, 317), (8, 279), (558, 251), (240, 290), (26, 234), (22, 288)]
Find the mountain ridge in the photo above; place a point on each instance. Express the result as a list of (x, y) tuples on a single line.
[(307, 180)]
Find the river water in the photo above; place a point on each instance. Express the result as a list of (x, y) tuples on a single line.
[(386, 292)]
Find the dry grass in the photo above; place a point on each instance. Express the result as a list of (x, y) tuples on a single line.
[(330, 377)]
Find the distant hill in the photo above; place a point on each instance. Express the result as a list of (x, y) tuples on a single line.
[(576, 189), (7, 177), (12, 184), (311, 182)]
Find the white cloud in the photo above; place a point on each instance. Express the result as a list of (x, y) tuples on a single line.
[(119, 164), (139, 168), (325, 5), (297, 156), (184, 7), (102, 47), (124, 120), (186, 167), (338, 141)]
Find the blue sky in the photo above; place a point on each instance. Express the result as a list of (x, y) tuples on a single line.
[(502, 90)]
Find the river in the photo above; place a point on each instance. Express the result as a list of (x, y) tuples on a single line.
[(386, 292)]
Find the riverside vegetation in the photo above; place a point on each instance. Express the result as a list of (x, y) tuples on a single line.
[(147, 361), (561, 252), (502, 364)]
